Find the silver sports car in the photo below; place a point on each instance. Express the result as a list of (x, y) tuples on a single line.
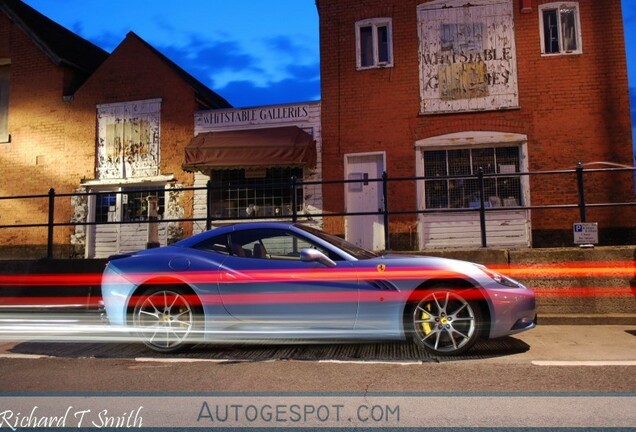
[(282, 282)]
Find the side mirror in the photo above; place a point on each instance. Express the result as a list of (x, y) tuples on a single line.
[(314, 255)]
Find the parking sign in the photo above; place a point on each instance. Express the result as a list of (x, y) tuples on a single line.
[(585, 233)]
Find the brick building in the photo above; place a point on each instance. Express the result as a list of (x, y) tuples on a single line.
[(440, 88), (74, 117), (431, 90)]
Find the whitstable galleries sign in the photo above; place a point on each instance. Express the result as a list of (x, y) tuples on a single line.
[(240, 117), (467, 56)]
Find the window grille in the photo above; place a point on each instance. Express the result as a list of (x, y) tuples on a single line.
[(240, 193), (458, 188), (135, 204)]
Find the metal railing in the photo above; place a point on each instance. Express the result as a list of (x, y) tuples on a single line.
[(578, 174)]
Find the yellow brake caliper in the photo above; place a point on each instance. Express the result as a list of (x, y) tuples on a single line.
[(426, 326), (182, 309)]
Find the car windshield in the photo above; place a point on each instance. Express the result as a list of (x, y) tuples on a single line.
[(350, 248)]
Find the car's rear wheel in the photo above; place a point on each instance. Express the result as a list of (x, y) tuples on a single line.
[(445, 322), (166, 318)]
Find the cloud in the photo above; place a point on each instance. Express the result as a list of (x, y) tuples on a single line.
[(259, 53), (304, 87), (281, 71)]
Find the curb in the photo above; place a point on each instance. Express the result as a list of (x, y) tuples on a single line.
[(587, 319)]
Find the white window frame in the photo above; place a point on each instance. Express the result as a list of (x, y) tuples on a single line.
[(560, 6), (375, 23)]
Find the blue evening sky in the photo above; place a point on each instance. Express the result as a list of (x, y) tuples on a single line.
[(252, 52)]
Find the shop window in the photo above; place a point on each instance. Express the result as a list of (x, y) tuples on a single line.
[(255, 192), (560, 28), (105, 207), (374, 43), (4, 101), (135, 203), (456, 189)]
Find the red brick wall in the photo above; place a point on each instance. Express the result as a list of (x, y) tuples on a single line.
[(573, 108), (53, 141), (131, 73), (36, 159)]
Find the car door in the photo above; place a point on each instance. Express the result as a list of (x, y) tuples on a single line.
[(265, 284)]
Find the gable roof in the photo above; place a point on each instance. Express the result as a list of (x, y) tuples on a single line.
[(61, 45), (66, 48), (206, 96)]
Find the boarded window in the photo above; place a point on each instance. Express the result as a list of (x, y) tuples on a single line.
[(128, 139), (467, 56)]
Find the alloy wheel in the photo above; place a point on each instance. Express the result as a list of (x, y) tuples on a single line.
[(164, 319), (445, 323)]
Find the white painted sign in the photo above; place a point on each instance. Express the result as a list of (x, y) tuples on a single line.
[(467, 56), (585, 233), (236, 118)]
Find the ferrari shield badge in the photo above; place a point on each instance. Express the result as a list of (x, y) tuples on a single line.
[(381, 268)]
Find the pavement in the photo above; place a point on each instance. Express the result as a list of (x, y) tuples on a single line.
[(596, 338), (604, 344)]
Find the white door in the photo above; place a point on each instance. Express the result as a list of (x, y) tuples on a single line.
[(365, 195)]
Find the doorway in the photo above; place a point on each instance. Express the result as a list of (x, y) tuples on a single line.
[(364, 195)]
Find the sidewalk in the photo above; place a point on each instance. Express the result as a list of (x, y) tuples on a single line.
[(623, 319), (576, 343)]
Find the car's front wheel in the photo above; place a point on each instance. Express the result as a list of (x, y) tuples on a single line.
[(166, 318), (445, 322)]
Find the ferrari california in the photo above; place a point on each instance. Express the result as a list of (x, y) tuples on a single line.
[(272, 282)]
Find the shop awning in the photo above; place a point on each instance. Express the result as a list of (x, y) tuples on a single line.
[(280, 146)]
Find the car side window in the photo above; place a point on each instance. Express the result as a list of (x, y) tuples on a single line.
[(275, 244), (218, 244)]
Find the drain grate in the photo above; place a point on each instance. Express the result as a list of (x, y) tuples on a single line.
[(385, 351)]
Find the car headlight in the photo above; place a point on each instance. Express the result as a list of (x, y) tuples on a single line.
[(500, 279)]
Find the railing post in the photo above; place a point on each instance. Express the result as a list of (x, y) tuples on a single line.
[(482, 207), (152, 238), (208, 205), (294, 199), (385, 210), (581, 188), (49, 245)]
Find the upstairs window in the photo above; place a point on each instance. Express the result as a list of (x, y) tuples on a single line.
[(374, 43), (560, 28), (129, 137)]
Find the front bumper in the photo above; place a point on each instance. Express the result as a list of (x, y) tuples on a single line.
[(513, 310)]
